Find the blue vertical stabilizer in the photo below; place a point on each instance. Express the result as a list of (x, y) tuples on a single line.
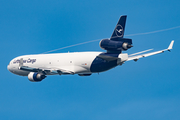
[(119, 29)]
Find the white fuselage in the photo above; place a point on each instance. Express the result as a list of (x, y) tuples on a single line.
[(77, 63)]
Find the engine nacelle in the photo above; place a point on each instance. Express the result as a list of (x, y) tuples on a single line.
[(35, 77), (112, 45)]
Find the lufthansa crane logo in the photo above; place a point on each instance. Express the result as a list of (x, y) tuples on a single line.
[(119, 31)]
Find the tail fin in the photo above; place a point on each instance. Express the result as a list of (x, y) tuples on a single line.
[(119, 29)]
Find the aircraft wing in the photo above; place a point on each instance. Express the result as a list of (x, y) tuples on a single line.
[(46, 71), (135, 58)]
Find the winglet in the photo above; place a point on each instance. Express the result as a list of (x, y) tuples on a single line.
[(171, 45)]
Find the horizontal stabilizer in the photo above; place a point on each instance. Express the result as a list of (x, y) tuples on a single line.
[(140, 52)]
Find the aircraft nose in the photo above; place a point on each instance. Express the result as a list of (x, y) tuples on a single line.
[(9, 68)]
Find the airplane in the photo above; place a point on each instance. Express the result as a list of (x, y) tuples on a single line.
[(37, 67)]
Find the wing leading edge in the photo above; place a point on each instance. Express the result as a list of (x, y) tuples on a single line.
[(46, 71), (135, 58)]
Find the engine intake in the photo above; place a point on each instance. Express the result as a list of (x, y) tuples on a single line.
[(35, 77)]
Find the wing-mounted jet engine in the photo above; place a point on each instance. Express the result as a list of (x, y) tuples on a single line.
[(35, 75), (117, 44)]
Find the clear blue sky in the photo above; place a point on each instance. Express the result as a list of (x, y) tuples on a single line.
[(145, 90)]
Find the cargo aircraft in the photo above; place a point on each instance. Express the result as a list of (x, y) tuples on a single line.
[(38, 66)]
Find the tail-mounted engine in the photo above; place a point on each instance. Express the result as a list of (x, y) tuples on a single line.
[(117, 43), (111, 45), (35, 77)]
